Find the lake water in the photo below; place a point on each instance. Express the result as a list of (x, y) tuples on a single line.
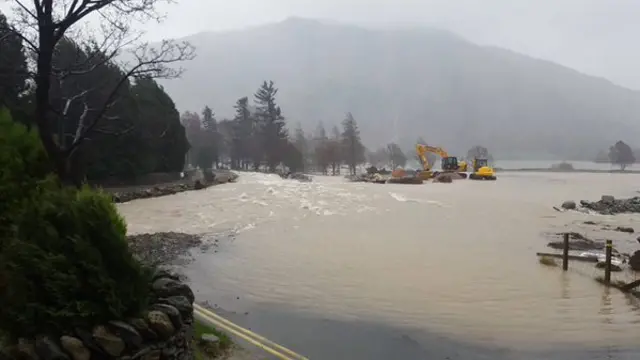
[(339, 270)]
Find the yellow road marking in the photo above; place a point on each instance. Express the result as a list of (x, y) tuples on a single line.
[(267, 345)]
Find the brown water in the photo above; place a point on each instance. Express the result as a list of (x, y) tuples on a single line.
[(455, 259)]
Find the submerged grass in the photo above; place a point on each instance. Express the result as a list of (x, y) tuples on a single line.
[(547, 261)]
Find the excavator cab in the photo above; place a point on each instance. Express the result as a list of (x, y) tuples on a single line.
[(482, 170), (450, 163), (479, 163)]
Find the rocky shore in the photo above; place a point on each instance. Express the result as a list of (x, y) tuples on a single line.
[(122, 195), (164, 248), (607, 205)]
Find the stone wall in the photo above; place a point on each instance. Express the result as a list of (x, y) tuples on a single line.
[(142, 180), (165, 332)]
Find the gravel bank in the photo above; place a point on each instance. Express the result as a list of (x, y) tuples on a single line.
[(607, 205), (165, 248)]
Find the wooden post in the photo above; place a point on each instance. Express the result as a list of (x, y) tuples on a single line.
[(565, 253), (607, 267)]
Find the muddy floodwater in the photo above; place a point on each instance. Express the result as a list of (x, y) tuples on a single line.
[(339, 270)]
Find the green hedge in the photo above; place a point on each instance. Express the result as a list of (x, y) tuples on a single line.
[(64, 256)]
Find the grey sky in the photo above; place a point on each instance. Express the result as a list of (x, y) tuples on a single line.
[(593, 36)]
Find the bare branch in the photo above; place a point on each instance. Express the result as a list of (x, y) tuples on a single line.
[(152, 63)]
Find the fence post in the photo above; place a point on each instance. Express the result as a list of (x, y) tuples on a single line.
[(607, 267), (565, 253)]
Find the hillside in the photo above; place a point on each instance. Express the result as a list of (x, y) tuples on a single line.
[(437, 85)]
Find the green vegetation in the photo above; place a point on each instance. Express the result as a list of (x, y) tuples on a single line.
[(563, 166), (547, 261), (65, 261), (64, 257), (204, 350), (97, 118), (622, 155)]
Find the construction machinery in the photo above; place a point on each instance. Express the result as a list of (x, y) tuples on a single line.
[(481, 170), (450, 164)]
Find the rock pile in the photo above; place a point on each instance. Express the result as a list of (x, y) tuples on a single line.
[(607, 205), (297, 176), (215, 178), (162, 248), (372, 178), (164, 332), (443, 178), (405, 180)]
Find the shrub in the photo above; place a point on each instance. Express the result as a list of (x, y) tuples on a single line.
[(64, 256)]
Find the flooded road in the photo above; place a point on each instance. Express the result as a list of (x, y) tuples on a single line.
[(339, 270)]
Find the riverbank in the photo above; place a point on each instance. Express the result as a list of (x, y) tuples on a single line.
[(124, 194), (173, 250)]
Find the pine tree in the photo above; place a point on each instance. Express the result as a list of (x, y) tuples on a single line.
[(271, 124), (352, 145), (212, 141), (244, 146)]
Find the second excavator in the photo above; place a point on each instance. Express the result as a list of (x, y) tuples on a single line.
[(450, 164), (482, 170)]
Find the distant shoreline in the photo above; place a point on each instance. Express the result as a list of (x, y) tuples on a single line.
[(586, 171)]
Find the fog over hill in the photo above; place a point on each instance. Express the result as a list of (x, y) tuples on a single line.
[(432, 83)]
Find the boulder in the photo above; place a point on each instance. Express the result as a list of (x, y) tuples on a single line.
[(166, 287), (608, 199), (74, 347), (569, 205), (143, 329), (179, 302), (634, 261), (108, 341), (161, 324), (126, 332), (171, 312), (625, 229)]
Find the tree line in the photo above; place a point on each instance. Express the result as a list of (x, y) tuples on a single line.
[(257, 137)]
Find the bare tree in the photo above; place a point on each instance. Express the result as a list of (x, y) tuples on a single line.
[(113, 39)]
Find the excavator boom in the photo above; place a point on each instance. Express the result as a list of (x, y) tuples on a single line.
[(449, 163)]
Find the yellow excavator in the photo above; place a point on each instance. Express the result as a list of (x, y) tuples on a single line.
[(450, 164), (482, 170)]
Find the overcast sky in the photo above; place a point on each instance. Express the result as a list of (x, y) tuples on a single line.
[(598, 37)]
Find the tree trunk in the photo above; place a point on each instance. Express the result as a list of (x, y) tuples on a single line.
[(43, 121)]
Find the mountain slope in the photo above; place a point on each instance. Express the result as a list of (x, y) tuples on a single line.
[(437, 85)]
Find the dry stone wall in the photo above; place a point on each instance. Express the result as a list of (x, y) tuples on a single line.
[(164, 332)]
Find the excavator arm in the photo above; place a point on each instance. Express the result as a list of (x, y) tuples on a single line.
[(449, 163), (422, 150)]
